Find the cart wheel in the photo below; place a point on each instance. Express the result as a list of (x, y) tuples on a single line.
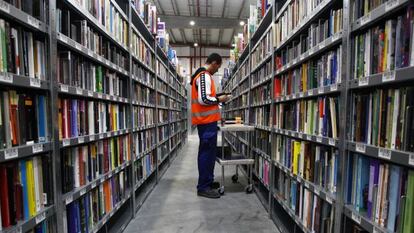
[(249, 188), (221, 190), (235, 178)]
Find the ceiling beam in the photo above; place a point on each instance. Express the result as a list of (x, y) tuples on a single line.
[(200, 22), (200, 45), (173, 40), (183, 35)]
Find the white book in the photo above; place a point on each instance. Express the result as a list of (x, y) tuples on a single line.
[(7, 121), (302, 159), (30, 54), (395, 117), (91, 118), (315, 201), (384, 200), (379, 194), (332, 109), (75, 162), (85, 155)]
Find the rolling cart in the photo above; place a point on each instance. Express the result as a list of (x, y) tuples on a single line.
[(235, 159)]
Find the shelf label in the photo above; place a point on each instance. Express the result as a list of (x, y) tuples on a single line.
[(81, 139), (79, 91), (66, 142), (101, 136), (90, 93), (388, 76), (92, 138), (78, 46), (93, 185), (90, 53), (82, 192), (411, 159), (316, 191), (306, 185), (302, 56), (384, 153), (6, 77), (300, 135), (360, 148), (328, 199), (64, 88), (40, 217), (365, 19), (356, 218), (11, 153), (363, 81), (63, 38), (309, 137), (334, 87), (319, 139), (321, 90), (4, 7), (301, 94), (102, 179), (37, 148), (33, 22), (310, 92), (34, 82), (100, 95), (331, 141), (107, 97), (390, 5), (69, 199)]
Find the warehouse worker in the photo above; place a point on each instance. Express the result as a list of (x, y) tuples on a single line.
[(205, 114)]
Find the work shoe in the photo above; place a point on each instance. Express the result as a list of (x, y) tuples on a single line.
[(215, 185), (210, 193)]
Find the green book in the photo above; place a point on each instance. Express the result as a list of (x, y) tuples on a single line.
[(409, 205)]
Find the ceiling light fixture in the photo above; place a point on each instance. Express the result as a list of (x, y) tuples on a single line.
[(195, 44), (192, 23), (241, 23)]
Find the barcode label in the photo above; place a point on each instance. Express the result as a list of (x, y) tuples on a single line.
[(37, 148), (384, 153), (301, 94), (356, 218), (365, 19), (320, 90), (310, 92), (34, 82), (411, 159), (69, 199), (390, 5), (309, 137), (11, 153), (107, 97), (102, 179), (79, 91), (81, 139), (319, 139), (6, 77), (316, 191), (101, 136), (328, 199), (331, 142), (363, 81), (334, 87), (40, 217), (93, 185), (306, 185), (64, 88), (33, 22), (360, 148), (66, 142), (92, 138), (100, 95), (388, 76), (4, 7), (90, 93), (82, 192)]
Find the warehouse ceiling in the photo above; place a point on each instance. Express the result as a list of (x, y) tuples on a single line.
[(215, 21)]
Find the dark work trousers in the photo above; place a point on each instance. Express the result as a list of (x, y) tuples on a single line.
[(207, 151)]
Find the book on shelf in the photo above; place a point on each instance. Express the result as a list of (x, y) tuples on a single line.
[(263, 49), (142, 74), (318, 117), (105, 13), (312, 162), (143, 116), (79, 117), (84, 213), (141, 50), (83, 164), (26, 189), (313, 212), (163, 133), (261, 94), (145, 165), (323, 71), (384, 47), (162, 115), (38, 8), (23, 118), (79, 72), (381, 192), (262, 73), (144, 94), (262, 169), (22, 52), (143, 141), (384, 117)]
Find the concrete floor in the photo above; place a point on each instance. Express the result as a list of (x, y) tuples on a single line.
[(174, 207)]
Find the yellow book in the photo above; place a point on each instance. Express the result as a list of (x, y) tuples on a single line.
[(304, 77), (296, 155), (384, 57), (30, 188)]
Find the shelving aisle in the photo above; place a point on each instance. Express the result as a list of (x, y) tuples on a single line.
[(173, 206)]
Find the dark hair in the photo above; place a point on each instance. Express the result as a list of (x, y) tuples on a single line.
[(214, 57)]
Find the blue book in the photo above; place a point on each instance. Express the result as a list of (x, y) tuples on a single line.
[(71, 217), (23, 181), (41, 118), (77, 217), (87, 215), (364, 183), (349, 178), (293, 195), (395, 172), (74, 117)]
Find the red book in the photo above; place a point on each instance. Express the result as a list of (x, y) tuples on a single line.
[(278, 87), (4, 198), (18, 193)]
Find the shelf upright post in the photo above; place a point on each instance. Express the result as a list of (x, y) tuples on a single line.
[(272, 170), (344, 117), (131, 113), (154, 45), (60, 212)]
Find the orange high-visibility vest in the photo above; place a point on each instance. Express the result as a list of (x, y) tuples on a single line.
[(203, 114)]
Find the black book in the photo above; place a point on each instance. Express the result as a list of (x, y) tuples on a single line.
[(47, 187)]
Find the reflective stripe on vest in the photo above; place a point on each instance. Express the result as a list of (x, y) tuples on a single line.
[(203, 114)]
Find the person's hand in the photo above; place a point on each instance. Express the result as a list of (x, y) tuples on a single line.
[(224, 98)]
